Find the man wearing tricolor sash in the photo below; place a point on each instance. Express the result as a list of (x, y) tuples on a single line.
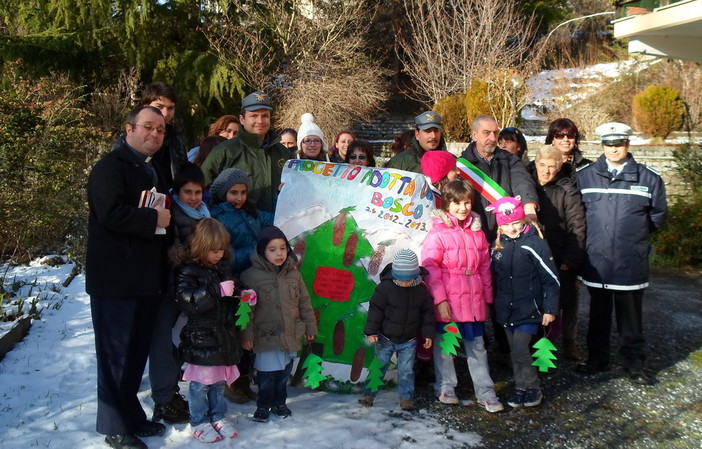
[(624, 201), (498, 173)]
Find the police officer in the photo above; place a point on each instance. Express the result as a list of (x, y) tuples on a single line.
[(624, 201), (428, 136)]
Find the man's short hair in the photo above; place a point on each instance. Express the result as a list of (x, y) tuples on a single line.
[(476, 122), (131, 118), (157, 89)]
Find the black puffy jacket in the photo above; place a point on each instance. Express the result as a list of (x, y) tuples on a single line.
[(525, 280), (562, 216), (399, 312), (210, 337)]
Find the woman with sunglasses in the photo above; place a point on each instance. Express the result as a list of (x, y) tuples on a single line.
[(310, 140), (565, 137), (360, 152), (512, 140)]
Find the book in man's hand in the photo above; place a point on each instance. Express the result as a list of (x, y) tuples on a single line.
[(152, 198)]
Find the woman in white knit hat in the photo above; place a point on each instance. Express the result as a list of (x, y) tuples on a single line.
[(310, 140)]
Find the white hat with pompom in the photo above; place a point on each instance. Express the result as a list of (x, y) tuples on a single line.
[(309, 128)]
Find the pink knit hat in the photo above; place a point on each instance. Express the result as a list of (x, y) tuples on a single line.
[(507, 209), (436, 164)]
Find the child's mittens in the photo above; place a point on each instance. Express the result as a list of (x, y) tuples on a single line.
[(226, 288), (249, 296)]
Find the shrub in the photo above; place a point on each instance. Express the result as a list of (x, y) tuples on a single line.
[(658, 111), (679, 243), (454, 117), (47, 145)]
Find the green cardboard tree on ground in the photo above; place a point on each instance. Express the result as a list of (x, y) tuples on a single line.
[(338, 284), (313, 371), (544, 355), (374, 380), (449, 339)]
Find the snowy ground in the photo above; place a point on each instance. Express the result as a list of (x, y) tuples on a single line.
[(48, 391)]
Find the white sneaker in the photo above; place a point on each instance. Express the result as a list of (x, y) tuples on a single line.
[(206, 433), (225, 428), (448, 398), (493, 405)]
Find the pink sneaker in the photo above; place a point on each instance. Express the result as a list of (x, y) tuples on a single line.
[(448, 398), (225, 428), (206, 433)]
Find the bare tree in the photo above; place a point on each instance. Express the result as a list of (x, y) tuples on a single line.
[(305, 53), (453, 42)]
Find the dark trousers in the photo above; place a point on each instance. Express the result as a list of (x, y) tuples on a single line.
[(627, 306), (272, 387), (164, 363), (123, 329), (566, 325)]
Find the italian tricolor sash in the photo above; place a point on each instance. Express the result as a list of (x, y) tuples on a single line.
[(480, 181)]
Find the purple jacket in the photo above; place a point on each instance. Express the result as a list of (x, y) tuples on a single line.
[(458, 262)]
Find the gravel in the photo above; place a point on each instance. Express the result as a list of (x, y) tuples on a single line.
[(604, 410)]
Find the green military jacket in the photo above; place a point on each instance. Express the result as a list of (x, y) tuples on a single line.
[(411, 159)]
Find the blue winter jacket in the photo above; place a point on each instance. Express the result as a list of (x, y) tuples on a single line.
[(525, 280), (620, 213), (243, 230)]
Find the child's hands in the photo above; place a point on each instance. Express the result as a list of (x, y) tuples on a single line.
[(247, 344), (427, 343), (444, 311), (249, 296), (548, 318), (372, 339), (309, 338)]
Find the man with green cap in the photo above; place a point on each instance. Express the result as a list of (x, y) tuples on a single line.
[(256, 150), (428, 136)]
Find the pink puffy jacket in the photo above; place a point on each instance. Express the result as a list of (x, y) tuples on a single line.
[(458, 261)]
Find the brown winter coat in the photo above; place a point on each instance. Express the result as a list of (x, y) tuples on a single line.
[(283, 313)]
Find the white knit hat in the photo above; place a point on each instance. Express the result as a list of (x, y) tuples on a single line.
[(310, 128)]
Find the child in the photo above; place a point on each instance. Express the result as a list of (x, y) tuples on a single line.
[(209, 340), (400, 306), (456, 254), (440, 168), (239, 216), (186, 196), (526, 292), (282, 317)]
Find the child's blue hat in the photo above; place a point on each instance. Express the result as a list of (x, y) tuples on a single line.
[(405, 265)]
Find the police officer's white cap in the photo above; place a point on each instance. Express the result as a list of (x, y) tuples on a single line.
[(614, 133)]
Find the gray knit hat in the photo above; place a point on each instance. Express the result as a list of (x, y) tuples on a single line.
[(405, 265), (221, 185)]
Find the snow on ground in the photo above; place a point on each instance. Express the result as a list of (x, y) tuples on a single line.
[(48, 392), (573, 84)]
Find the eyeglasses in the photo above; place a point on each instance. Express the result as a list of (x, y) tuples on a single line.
[(312, 141), (362, 157), (570, 135), (148, 127)]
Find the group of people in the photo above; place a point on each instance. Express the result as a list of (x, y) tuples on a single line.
[(174, 248)]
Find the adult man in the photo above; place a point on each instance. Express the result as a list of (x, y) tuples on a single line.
[(125, 274), (501, 166), (256, 150), (624, 201), (428, 136)]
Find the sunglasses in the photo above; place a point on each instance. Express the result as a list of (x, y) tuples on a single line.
[(362, 157), (570, 135)]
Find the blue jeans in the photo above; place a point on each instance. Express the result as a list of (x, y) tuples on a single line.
[(207, 403), (272, 387), (405, 363)]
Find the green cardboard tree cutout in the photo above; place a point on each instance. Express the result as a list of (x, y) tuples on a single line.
[(544, 355), (313, 371), (243, 312), (449, 339), (374, 380)]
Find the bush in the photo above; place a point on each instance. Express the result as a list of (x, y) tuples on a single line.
[(679, 243), (454, 117), (47, 144), (658, 111)]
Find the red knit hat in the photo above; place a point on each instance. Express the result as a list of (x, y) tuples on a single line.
[(437, 164)]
